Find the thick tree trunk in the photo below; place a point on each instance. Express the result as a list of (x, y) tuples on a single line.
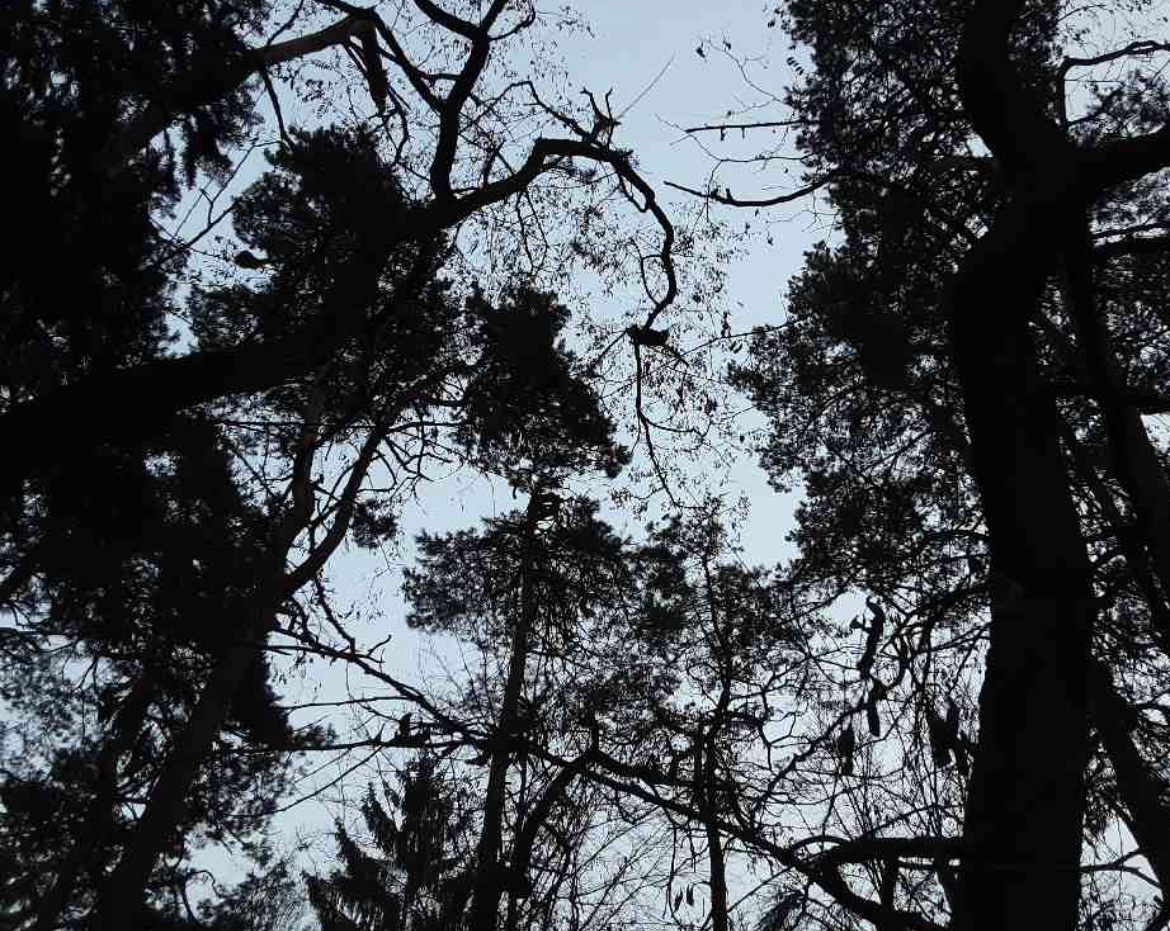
[(126, 729), (1026, 798), (1025, 804)]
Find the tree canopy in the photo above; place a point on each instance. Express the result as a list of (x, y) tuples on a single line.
[(939, 703)]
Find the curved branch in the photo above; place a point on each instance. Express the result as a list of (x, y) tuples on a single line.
[(1005, 113), (452, 108), (730, 200)]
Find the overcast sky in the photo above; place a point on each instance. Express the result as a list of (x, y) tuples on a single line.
[(633, 44)]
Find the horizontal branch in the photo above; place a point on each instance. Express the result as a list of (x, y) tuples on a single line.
[(731, 201), (1125, 160), (1134, 49), (729, 127)]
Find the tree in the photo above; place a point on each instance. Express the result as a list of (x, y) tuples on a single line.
[(269, 898), (341, 331), (121, 627), (541, 593), (652, 673), (419, 876), (161, 388), (976, 291)]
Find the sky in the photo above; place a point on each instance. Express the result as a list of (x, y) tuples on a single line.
[(645, 51), (632, 45)]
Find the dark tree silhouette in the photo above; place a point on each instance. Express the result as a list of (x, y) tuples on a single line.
[(415, 874), (166, 508), (962, 396)]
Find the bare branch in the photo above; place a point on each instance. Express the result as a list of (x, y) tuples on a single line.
[(730, 200)]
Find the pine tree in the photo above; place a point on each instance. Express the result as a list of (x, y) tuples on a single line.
[(415, 873)]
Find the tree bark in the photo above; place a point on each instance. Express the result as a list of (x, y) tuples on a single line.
[(716, 860), (1026, 798), (1025, 804), (1139, 788), (485, 901)]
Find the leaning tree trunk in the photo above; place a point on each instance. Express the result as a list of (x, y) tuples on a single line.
[(1134, 459), (121, 908), (125, 730), (1138, 785), (122, 901)]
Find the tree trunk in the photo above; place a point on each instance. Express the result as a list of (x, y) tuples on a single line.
[(126, 729), (485, 902), (1139, 788), (121, 909), (715, 857), (1135, 461), (1026, 798), (165, 805)]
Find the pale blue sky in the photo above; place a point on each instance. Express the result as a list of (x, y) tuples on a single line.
[(633, 42)]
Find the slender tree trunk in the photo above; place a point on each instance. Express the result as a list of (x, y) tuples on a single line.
[(122, 903), (485, 902), (525, 841), (1135, 462), (715, 857), (1140, 789)]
